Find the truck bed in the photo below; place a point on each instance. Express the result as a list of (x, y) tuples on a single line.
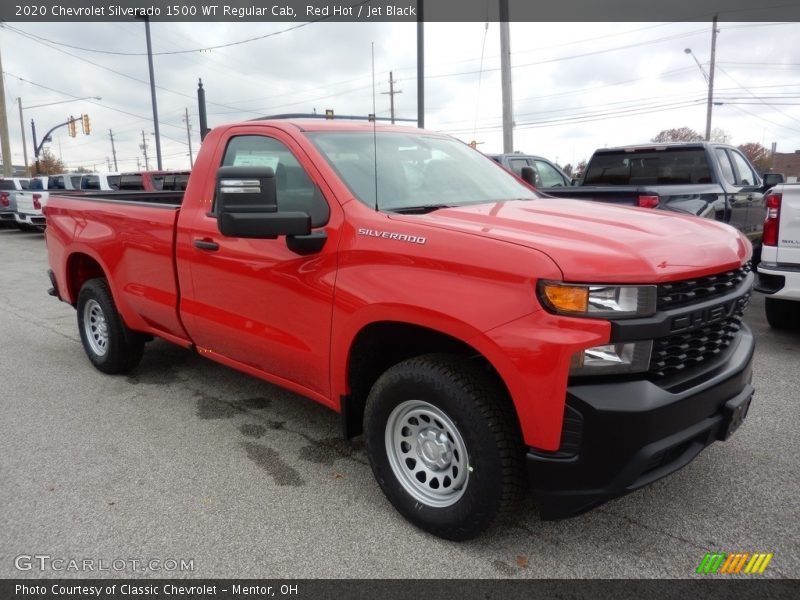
[(695, 199), (131, 236)]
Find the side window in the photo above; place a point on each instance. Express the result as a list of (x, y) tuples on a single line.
[(725, 164), (516, 164), (131, 181), (746, 174), (549, 176), (295, 190)]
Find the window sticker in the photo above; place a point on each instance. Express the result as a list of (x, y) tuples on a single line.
[(255, 158)]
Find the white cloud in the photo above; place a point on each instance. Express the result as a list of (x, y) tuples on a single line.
[(568, 80)]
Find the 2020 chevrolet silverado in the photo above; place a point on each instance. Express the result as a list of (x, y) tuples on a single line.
[(480, 336), (779, 271)]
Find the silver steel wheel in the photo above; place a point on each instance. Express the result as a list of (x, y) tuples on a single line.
[(427, 453), (95, 327)]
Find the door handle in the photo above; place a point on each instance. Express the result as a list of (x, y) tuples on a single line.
[(206, 245)]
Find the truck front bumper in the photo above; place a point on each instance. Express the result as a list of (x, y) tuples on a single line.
[(627, 434)]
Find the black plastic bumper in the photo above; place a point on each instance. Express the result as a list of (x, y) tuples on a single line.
[(631, 433)]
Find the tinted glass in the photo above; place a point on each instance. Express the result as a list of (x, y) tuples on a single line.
[(90, 182), (113, 182), (746, 174), (725, 165), (56, 183), (516, 164), (648, 167), (134, 181), (550, 176)]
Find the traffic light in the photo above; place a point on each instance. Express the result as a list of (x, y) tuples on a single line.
[(71, 127), (87, 128)]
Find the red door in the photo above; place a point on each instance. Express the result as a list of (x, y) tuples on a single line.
[(254, 301)]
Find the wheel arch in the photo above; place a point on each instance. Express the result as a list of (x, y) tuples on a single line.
[(382, 344)]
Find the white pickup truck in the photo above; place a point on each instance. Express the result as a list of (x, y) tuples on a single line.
[(779, 270)]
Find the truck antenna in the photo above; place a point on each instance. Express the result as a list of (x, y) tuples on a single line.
[(374, 126)]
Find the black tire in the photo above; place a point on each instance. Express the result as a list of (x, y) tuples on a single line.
[(485, 421), (782, 314), (110, 345)]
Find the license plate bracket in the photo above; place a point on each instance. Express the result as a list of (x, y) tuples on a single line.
[(734, 411)]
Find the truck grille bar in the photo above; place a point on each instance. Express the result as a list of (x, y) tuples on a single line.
[(690, 291)]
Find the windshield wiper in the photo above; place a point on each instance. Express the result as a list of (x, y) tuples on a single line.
[(419, 210)]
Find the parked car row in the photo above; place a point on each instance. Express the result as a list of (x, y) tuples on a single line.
[(22, 199)]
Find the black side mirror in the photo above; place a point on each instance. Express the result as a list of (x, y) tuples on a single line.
[(247, 205), (528, 174), (772, 179)]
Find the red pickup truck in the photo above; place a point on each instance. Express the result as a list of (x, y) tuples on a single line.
[(479, 335)]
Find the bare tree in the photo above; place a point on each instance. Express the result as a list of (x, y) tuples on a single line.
[(681, 134)]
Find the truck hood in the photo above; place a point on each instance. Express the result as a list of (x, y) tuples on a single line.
[(595, 242)]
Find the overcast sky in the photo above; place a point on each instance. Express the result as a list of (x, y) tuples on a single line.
[(576, 86)]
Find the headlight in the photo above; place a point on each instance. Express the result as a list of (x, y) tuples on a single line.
[(612, 359), (598, 301)]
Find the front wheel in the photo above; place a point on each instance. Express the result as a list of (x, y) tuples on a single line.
[(110, 345), (444, 444)]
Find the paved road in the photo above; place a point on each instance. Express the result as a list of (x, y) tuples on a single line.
[(186, 459)]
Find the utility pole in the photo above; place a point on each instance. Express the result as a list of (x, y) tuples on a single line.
[(108, 162), (138, 164), (153, 91), (505, 79), (22, 131), (113, 149), (143, 146), (711, 78), (5, 146), (391, 94), (188, 136), (201, 109), (420, 66)]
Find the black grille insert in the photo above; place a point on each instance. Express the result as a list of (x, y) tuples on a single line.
[(682, 351), (691, 291)]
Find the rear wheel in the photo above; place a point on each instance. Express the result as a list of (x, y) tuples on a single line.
[(782, 314), (109, 344), (444, 445)]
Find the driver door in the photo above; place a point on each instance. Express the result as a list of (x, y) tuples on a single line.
[(254, 301)]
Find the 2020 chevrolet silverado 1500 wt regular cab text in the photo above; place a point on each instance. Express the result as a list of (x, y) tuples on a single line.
[(779, 271), (477, 334)]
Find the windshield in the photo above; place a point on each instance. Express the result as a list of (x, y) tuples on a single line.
[(415, 170)]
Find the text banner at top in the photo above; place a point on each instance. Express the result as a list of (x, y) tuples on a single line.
[(399, 10)]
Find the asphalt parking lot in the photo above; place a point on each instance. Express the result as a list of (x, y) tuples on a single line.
[(186, 459)]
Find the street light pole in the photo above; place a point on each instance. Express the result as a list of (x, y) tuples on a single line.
[(153, 91), (709, 77), (22, 131)]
